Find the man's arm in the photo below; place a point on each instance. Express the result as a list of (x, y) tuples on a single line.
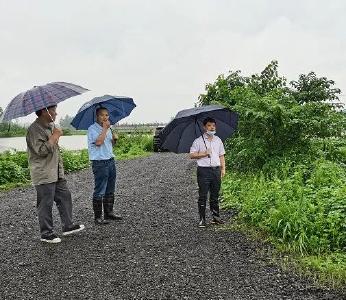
[(101, 138), (195, 153), (223, 165), (198, 155), (114, 138), (37, 142)]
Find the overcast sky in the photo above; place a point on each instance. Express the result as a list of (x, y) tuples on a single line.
[(163, 52)]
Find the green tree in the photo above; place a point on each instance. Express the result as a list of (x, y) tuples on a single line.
[(65, 122), (309, 88), (276, 118)]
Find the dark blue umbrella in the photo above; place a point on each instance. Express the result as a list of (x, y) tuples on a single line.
[(187, 125), (118, 108)]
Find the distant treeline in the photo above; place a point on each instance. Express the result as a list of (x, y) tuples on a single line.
[(13, 129)]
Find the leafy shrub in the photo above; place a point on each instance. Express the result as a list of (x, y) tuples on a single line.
[(11, 172), (75, 160)]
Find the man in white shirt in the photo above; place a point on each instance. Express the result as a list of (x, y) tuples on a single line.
[(209, 152)]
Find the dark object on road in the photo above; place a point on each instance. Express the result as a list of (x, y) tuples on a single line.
[(157, 140)]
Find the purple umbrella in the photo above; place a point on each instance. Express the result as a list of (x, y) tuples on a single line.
[(40, 97)]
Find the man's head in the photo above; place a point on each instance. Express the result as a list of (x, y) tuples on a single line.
[(209, 125), (47, 114), (102, 115)]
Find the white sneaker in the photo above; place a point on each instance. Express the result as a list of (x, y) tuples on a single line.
[(52, 239), (75, 228)]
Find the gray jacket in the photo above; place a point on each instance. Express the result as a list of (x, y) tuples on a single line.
[(45, 161)]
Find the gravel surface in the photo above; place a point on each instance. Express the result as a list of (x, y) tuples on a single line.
[(156, 252)]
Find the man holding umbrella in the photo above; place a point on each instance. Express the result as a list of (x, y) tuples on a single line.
[(100, 146), (209, 152), (207, 148), (47, 175), (97, 115), (45, 163)]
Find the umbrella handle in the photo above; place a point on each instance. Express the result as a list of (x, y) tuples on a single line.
[(50, 116), (200, 130), (206, 148)]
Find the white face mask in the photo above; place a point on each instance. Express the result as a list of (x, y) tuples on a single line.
[(211, 133)]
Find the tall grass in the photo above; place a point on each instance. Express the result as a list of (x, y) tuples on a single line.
[(301, 207), (306, 214)]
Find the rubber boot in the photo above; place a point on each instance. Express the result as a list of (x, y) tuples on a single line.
[(201, 211), (108, 204), (215, 211), (97, 207)]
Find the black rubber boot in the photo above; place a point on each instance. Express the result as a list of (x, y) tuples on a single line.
[(108, 204), (97, 207), (215, 211), (201, 211), (214, 208)]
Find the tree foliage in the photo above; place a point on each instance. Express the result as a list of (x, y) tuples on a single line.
[(276, 117), (65, 122)]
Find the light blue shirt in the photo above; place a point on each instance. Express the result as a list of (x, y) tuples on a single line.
[(104, 151)]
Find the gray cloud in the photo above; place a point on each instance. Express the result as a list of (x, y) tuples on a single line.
[(162, 53)]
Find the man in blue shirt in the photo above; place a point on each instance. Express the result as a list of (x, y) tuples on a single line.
[(100, 147)]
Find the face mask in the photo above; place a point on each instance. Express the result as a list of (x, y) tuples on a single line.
[(211, 133)]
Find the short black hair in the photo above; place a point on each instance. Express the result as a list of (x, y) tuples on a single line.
[(100, 108), (208, 120), (39, 112)]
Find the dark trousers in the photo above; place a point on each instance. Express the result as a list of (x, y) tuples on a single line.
[(209, 180), (104, 177), (47, 194)]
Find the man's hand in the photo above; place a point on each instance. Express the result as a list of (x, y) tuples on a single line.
[(207, 153), (223, 172), (115, 136), (106, 125), (198, 155), (56, 134)]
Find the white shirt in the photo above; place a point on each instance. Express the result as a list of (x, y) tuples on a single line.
[(217, 149)]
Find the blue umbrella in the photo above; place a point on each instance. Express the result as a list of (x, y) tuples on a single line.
[(118, 108), (40, 97), (180, 133)]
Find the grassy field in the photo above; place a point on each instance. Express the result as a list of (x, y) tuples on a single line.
[(14, 166)]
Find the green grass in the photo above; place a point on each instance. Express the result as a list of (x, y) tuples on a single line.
[(14, 169), (302, 209), (327, 269)]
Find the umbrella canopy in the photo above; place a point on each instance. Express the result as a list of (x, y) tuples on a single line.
[(118, 108), (40, 97), (187, 125)]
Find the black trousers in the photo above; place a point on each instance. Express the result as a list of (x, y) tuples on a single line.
[(209, 180)]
